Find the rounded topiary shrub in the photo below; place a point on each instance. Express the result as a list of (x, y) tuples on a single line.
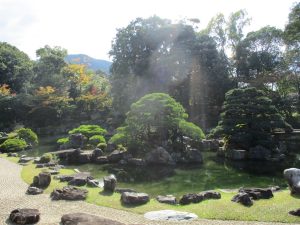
[(47, 157), (13, 145), (28, 135), (63, 141), (88, 130), (96, 139)]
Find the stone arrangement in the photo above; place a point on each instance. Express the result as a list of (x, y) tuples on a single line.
[(246, 195)]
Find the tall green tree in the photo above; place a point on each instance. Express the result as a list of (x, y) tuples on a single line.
[(15, 68), (49, 67)]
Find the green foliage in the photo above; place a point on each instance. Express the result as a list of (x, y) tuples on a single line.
[(96, 139), (191, 130), (89, 130), (102, 146), (120, 137), (248, 118), (28, 135), (47, 157), (16, 69), (152, 120), (13, 145), (62, 141)]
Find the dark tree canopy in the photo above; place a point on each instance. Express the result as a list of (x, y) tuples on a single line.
[(15, 67), (248, 119)]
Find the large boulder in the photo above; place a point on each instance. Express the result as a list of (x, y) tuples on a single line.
[(77, 140), (86, 219), (292, 175), (97, 152), (24, 216), (131, 198), (259, 153), (295, 212), (80, 179), (101, 160), (69, 193), (110, 183), (42, 180), (116, 156), (258, 193), (243, 198), (159, 156)]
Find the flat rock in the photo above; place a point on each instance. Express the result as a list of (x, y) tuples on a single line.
[(69, 193), (131, 198), (170, 215), (86, 219), (168, 199), (25, 159), (196, 198), (258, 193), (34, 191), (24, 216)]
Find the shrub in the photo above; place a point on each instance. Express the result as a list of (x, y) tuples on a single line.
[(62, 141), (248, 119), (47, 157), (191, 130), (120, 137), (88, 130), (102, 146), (28, 135), (96, 139), (13, 145)]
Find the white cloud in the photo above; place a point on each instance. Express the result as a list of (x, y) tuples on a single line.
[(88, 26)]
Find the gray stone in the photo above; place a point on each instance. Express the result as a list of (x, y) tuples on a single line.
[(170, 215), (86, 219), (110, 183), (243, 198), (34, 191), (258, 193), (24, 216), (25, 159), (69, 193), (93, 183), (196, 198), (12, 154), (168, 199), (80, 179), (77, 140), (101, 160), (292, 175), (42, 180), (96, 153), (131, 198), (159, 156), (238, 154), (116, 156)]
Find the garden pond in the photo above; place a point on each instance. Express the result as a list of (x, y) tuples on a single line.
[(214, 173)]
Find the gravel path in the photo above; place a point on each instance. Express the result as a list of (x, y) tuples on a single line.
[(12, 196)]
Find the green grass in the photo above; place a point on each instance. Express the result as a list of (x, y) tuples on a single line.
[(271, 210)]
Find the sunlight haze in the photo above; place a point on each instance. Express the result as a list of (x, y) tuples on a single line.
[(89, 26)]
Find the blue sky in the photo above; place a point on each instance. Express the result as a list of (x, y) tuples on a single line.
[(88, 26)]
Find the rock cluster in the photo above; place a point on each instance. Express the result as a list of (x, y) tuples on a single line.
[(69, 193), (196, 198), (246, 195)]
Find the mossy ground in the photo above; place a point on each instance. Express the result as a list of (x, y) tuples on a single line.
[(270, 210)]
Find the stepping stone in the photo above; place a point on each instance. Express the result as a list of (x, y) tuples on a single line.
[(131, 198), (69, 193), (34, 191), (86, 219), (170, 215), (168, 199)]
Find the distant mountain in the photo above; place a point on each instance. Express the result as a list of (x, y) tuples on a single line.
[(91, 63)]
